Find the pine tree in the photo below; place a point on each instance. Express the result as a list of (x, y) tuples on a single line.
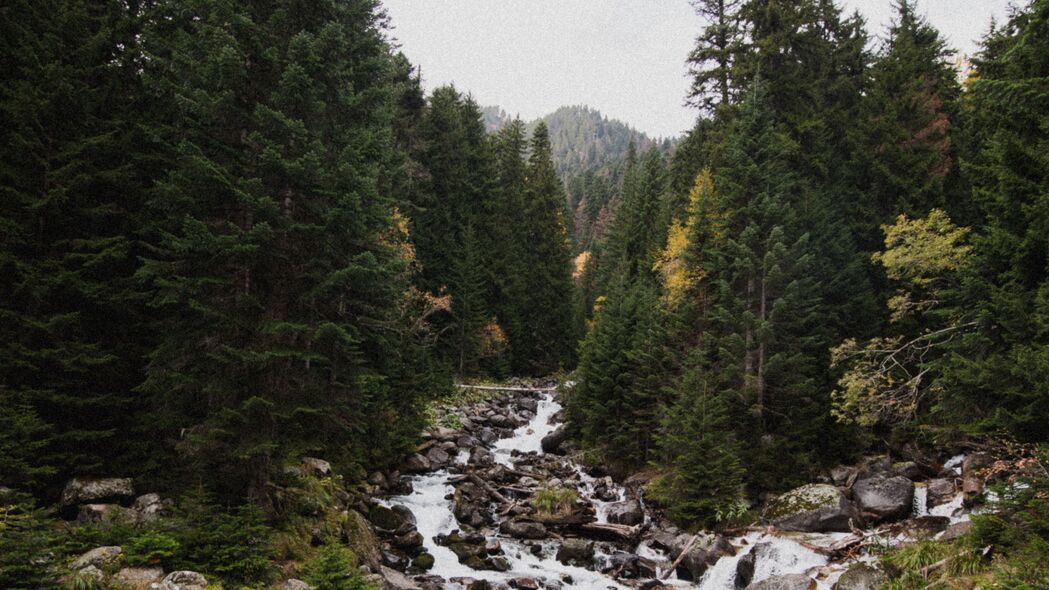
[(276, 263), (703, 480), (73, 170), (544, 343), (713, 59)]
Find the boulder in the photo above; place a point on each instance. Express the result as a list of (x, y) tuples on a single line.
[(924, 526), (628, 565), (578, 552), (861, 576), (417, 464), (874, 466), (315, 467), (390, 520), (423, 561), (552, 442), (524, 584), (705, 552), (360, 537), (885, 498), (184, 580), (745, 569), (972, 482), (98, 491), (149, 507), (841, 475), (941, 491), (91, 572), (523, 529), (438, 457), (910, 470), (378, 479), (811, 508), (481, 457), (956, 531), (529, 404), (395, 580), (137, 578), (788, 582), (294, 584), (628, 512), (98, 557)]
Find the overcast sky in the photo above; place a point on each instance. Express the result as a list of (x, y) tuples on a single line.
[(622, 57)]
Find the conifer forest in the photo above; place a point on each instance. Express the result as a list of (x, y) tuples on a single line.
[(276, 314)]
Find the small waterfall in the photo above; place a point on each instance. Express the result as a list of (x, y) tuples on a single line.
[(921, 500)]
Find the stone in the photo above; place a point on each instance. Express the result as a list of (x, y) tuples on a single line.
[(874, 466), (529, 404), (552, 442), (98, 557), (840, 475), (389, 520), (409, 540), (745, 569), (884, 498), (378, 479), (923, 527), (395, 580), (294, 584), (481, 457), (819, 508), (956, 531), (788, 582), (493, 546), (628, 512), (137, 578), (941, 491), (98, 491), (705, 552), (360, 537), (972, 482), (315, 467), (184, 580), (103, 513), (523, 529), (487, 435), (524, 584), (423, 561), (910, 470), (149, 507), (437, 457), (92, 572), (861, 576), (417, 464), (578, 552)]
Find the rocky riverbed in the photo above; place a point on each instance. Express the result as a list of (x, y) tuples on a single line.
[(500, 502)]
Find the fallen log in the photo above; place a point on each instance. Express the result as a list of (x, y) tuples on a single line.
[(504, 388), (680, 556), (608, 531)]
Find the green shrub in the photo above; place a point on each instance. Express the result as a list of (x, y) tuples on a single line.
[(231, 544), (81, 580), (151, 548), (553, 501), (334, 568), (28, 547)]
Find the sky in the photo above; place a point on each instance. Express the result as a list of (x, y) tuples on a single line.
[(623, 57)]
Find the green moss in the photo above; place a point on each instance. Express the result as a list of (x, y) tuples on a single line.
[(803, 499)]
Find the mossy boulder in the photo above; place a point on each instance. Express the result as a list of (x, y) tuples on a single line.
[(860, 576), (811, 508), (361, 539)]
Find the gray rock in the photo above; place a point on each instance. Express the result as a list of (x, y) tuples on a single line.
[(705, 552), (941, 491), (628, 512), (98, 491), (885, 498), (424, 561), (956, 531), (910, 470), (150, 507), (92, 572), (97, 557), (840, 475), (294, 584), (137, 578), (745, 569), (811, 508), (861, 576), (552, 442), (437, 457), (578, 552), (527, 403), (788, 582), (523, 529), (390, 520), (315, 467), (923, 527), (184, 580), (395, 580), (417, 464)]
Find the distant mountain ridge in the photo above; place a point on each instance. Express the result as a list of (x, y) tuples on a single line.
[(583, 140)]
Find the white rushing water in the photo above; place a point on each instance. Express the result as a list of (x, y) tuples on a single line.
[(781, 554)]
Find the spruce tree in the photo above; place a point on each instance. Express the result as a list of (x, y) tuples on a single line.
[(713, 58)]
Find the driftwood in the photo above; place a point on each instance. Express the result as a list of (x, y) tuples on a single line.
[(504, 387), (516, 489), (604, 530), (488, 488), (680, 556)]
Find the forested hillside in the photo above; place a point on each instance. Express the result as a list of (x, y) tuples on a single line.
[(251, 267)]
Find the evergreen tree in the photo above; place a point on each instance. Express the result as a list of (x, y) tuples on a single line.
[(545, 342), (73, 170), (713, 58), (276, 264)]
